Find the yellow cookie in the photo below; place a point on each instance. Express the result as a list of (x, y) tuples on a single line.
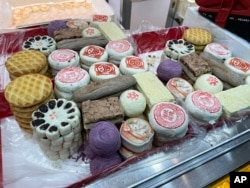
[(197, 36), (25, 62), (28, 90)]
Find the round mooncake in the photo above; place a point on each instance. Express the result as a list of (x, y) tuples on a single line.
[(130, 65), (169, 121), (91, 32), (238, 65), (133, 103), (203, 106), (209, 83), (91, 54), (103, 70), (218, 50), (117, 49), (137, 135)]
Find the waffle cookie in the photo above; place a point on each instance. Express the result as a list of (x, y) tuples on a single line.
[(44, 44), (57, 125), (25, 94), (26, 62), (199, 37)]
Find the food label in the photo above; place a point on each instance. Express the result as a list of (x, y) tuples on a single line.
[(169, 116), (94, 52), (206, 102), (63, 55), (134, 62), (239, 64), (119, 46), (71, 74), (100, 18), (104, 69), (218, 49)]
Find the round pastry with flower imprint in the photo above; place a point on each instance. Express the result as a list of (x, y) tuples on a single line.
[(203, 106), (169, 120), (62, 58), (57, 125), (68, 80), (179, 87), (91, 32), (209, 83), (238, 65), (137, 135), (92, 53), (103, 70), (130, 65), (118, 49), (218, 50), (174, 49), (133, 103), (45, 44), (99, 18)]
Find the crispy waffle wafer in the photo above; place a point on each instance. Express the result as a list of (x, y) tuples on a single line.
[(197, 36), (28, 90), (25, 62)]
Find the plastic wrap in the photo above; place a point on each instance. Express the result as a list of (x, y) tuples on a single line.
[(23, 163)]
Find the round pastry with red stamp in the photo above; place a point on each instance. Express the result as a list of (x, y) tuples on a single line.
[(130, 65), (62, 58), (209, 83), (238, 65), (68, 80), (203, 106), (103, 70), (137, 135), (220, 51), (179, 87), (118, 49), (133, 102), (92, 53), (91, 32), (169, 121)]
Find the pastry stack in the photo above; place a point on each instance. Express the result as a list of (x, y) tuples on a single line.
[(25, 94), (199, 37), (26, 62)]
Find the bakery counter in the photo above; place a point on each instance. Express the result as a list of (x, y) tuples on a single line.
[(196, 163)]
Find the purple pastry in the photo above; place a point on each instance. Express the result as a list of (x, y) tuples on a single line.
[(56, 25), (99, 164), (168, 69), (104, 139)]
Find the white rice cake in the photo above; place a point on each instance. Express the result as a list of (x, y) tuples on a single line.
[(234, 100), (152, 88)]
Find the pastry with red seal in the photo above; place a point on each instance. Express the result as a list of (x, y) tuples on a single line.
[(169, 121), (102, 71), (62, 58), (219, 51), (133, 103), (132, 65), (68, 80), (91, 32), (238, 65), (203, 106), (91, 54), (118, 49)]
